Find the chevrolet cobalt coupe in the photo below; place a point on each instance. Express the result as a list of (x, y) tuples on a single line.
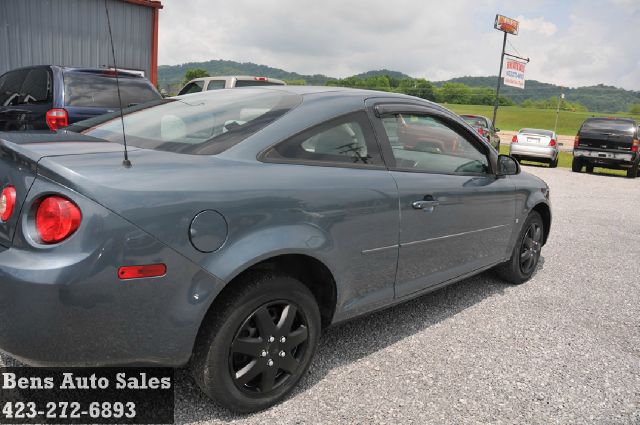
[(246, 222)]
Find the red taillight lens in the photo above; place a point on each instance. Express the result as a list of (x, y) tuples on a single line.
[(635, 145), (576, 142), (261, 78), (137, 272), (57, 118), (7, 202), (56, 219), (481, 131), (514, 139), (552, 142)]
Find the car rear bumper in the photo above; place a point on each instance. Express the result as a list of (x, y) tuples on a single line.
[(75, 311), (531, 151), (600, 157)]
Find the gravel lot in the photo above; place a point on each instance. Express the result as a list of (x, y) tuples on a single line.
[(563, 348)]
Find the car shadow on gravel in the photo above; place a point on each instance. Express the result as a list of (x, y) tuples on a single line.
[(351, 341)]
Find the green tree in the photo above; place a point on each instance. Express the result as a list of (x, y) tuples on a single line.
[(194, 73), (454, 93), (418, 87)]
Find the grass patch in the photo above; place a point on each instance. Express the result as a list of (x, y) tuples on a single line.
[(514, 117), (564, 161)]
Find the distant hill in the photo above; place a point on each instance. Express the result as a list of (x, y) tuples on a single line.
[(392, 74), (598, 98), (169, 75)]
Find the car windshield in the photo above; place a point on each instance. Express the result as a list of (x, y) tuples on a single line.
[(475, 121), (537, 131), (609, 124), (200, 124)]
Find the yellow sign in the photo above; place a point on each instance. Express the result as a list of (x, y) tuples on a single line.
[(505, 24)]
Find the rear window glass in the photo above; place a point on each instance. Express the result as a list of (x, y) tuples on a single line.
[(100, 91), (537, 131), (216, 84), (10, 85), (607, 124), (249, 83), (200, 124), (475, 121)]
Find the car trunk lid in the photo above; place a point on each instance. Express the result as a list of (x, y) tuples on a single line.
[(534, 139), (20, 154), (606, 140)]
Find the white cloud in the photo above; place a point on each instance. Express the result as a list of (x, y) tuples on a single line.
[(584, 43)]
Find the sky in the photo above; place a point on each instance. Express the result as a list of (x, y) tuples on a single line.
[(571, 43)]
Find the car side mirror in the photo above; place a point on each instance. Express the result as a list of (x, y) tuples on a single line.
[(507, 166)]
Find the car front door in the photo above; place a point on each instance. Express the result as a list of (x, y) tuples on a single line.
[(456, 215)]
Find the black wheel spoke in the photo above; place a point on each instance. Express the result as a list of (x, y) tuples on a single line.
[(265, 323), (250, 371), (249, 346), (537, 235), (289, 364), (297, 337), (287, 318), (268, 379)]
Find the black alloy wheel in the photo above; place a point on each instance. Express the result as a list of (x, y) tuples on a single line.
[(267, 349), (530, 248), (526, 252), (257, 341)]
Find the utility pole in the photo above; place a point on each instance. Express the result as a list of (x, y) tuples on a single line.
[(555, 126)]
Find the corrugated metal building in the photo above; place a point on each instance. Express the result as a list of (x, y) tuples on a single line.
[(75, 33)]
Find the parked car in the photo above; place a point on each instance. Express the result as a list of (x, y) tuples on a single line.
[(227, 82), (608, 143), (534, 144), (484, 127), (248, 221), (50, 97)]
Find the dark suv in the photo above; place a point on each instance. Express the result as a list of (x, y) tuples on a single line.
[(50, 97), (608, 143)]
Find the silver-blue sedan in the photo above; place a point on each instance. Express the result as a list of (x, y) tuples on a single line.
[(245, 222)]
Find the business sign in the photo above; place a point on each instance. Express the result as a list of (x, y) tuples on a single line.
[(507, 25), (514, 74)]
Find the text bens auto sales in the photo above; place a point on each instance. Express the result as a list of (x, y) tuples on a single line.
[(70, 382)]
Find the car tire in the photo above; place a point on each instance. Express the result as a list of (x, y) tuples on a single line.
[(589, 168), (576, 165), (553, 163), (526, 252), (271, 322), (632, 172)]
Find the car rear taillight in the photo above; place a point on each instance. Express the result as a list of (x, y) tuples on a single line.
[(137, 272), (576, 142), (56, 219), (635, 145), (261, 78), (57, 118), (514, 139), (481, 131), (7, 202), (552, 142)]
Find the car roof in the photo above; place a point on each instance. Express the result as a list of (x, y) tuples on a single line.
[(308, 91), (238, 77)]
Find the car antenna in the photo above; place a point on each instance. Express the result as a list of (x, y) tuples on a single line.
[(126, 163)]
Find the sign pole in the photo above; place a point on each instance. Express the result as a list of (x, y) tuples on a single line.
[(497, 101)]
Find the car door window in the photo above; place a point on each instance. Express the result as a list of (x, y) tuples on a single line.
[(10, 91), (215, 85), (429, 144), (346, 140), (36, 88)]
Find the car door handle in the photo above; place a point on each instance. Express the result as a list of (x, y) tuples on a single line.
[(425, 205)]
